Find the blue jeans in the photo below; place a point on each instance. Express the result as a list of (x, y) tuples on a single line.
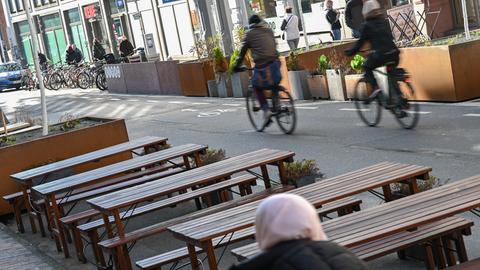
[(337, 34)]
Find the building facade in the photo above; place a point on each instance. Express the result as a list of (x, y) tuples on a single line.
[(169, 28)]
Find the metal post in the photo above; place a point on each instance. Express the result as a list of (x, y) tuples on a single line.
[(2, 51), (305, 36), (142, 27), (33, 33), (465, 20)]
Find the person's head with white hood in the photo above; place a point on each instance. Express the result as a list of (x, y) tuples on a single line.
[(290, 236)]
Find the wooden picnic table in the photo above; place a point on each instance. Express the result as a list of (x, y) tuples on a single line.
[(201, 232), (399, 216), (111, 204), (68, 185)]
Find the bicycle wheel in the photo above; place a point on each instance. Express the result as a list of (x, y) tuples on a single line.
[(408, 113), (55, 81), (286, 115), (369, 110), (83, 80), (255, 113), (101, 82)]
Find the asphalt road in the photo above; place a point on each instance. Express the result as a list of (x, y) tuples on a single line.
[(447, 137)]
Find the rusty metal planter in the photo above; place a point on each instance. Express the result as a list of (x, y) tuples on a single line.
[(194, 77), (34, 153)]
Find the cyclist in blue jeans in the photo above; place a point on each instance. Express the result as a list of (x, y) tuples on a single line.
[(260, 40)]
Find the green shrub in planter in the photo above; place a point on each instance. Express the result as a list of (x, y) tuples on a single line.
[(301, 173), (212, 156), (293, 64), (357, 63)]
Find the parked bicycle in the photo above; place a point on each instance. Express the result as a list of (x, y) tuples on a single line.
[(397, 100), (281, 105)]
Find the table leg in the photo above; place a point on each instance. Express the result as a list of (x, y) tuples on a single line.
[(448, 249), (108, 225), (212, 261), (193, 256), (56, 223), (413, 186), (51, 223), (266, 177), (460, 246), (26, 197), (387, 193), (283, 173), (198, 160), (97, 251), (123, 258), (77, 239), (18, 215)]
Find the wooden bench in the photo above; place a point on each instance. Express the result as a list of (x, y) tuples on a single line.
[(15, 200), (470, 265), (90, 229), (116, 245), (434, 235), (68, 185), (25, 178), (428, 235), (156, 262), (13, 127)]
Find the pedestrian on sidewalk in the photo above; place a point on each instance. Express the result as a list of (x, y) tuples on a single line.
[(289, 233), (354, 17), (333, 17), (290, 28), (98, 50)]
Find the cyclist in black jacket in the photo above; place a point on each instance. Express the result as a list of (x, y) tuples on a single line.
[(375, 30)]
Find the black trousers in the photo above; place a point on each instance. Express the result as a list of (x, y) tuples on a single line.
[(376, 60)]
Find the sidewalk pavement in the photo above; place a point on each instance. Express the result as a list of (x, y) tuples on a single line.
[(16, 253)]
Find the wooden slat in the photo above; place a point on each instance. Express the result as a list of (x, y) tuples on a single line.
[(88, 157), (13, 127), (16, 132), (172, 201), (162, 227), (199, 175), (89, 177)]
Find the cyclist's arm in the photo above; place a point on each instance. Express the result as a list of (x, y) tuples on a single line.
[(243, 52)]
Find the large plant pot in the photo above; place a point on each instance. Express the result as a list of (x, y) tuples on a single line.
[(223, 90), (446, 73), (37, 150), (194, 77), (336, 84), (335, 53), (212, 88), (350, 84), (298, 84), (317, 84), (240, 82)]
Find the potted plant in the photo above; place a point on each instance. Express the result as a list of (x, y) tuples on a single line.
[(297, 77), (239, 80), (335, 78), (221, 68), (302, 173), (317, 82), (351, 80)]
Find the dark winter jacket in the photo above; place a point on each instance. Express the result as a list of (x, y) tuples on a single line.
[(332, 19), (376, 31), (261, 41), (74, 57), (353, 14), (126, 48), (303, 255), (98, 51)]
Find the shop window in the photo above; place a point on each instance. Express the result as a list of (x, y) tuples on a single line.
[(264, 8), (11, 6), (307, 5), (73, 15), (19, 5)]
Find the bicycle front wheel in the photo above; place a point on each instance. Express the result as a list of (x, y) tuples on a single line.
[(101, 82), (369, 109), (408, 115), (83, 80), (286, 114), (255, 113)]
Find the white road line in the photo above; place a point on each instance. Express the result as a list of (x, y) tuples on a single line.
[(353, 110), (126, 113), (153, 101), (98, 109), (133, 100), (117, 110), (189, 110), (472, 114), (114, 99), (176, 102), (306, 108), (232, 104), (142, 112), (200, 103), (419, 112)]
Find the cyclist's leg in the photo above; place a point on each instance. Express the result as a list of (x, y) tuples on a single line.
[(374, 60), (261, 98)]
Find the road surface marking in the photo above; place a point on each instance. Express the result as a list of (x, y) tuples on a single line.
[(419, 112), (153, 101), (133, 100), (232, 104), (353, 110), (117, 110), (142, 112), (114, 99), (176, 102), (189, 110), (208, 114), (476, 147), (200, 103), (472, 114), (306, 108)]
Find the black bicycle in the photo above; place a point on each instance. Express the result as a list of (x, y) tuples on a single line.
[(281, 105), (398, 101)]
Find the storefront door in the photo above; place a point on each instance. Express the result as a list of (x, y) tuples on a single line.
[(55, 45), (27, 49), (176, 25)]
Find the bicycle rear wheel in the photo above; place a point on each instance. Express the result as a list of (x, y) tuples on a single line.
[(84, 80), (408, 113), (100, 81), (286, 114), (255, 113), (369, 110), (55, 81)]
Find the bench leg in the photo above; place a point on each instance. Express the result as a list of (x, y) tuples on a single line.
[(460, 246), (212, 261), (66, 232), (429, 259), (122, 260), (193, 256), (16, 206), (26, 198), (77, 239), (412, 186), (437, 247), (97, 251), (448, 249), (387, 193), (266, 177), (59, 233)]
